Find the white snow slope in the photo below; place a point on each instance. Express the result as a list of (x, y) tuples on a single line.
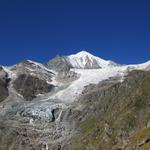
[(87, 76), (81, 59)]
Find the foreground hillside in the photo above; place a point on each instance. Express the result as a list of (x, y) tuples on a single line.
[(117, 115)]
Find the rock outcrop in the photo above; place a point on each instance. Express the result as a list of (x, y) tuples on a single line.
[(30, 86), (3, 84), (59, 63)]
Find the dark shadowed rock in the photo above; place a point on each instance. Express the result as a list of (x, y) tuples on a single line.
[(32, 68), (3, 84), (3, 90), (59, 63), (30, 86), (3, 74)]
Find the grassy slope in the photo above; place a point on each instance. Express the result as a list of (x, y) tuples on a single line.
[(139, 137), (115, 114)]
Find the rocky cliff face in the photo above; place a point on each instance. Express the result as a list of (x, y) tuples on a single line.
[(75, 102), (3, 84), (59, 63), (29, 86)]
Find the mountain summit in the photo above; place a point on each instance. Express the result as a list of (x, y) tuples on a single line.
[(85, 60), (80, 60)]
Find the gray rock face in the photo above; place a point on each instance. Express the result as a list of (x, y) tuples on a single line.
[(30, 86), (3, 74), (3, 84), (91, 65), (3, 90), (59, 63), (67, 77), (32, 68)]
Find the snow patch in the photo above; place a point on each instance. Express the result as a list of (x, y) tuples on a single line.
[(11, 74), (140, 66)]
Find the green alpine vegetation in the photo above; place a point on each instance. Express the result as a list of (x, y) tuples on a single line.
[(118, 115)]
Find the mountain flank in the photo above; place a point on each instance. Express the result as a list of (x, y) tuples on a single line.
[(75, 102)]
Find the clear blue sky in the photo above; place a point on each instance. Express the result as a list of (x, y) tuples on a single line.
[(40, 29)]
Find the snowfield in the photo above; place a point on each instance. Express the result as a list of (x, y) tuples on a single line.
[(87, 76)]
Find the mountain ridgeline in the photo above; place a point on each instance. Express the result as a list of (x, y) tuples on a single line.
[(76, 102)]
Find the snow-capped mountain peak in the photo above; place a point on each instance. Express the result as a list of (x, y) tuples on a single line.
[(83, 53), (85, 60)]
